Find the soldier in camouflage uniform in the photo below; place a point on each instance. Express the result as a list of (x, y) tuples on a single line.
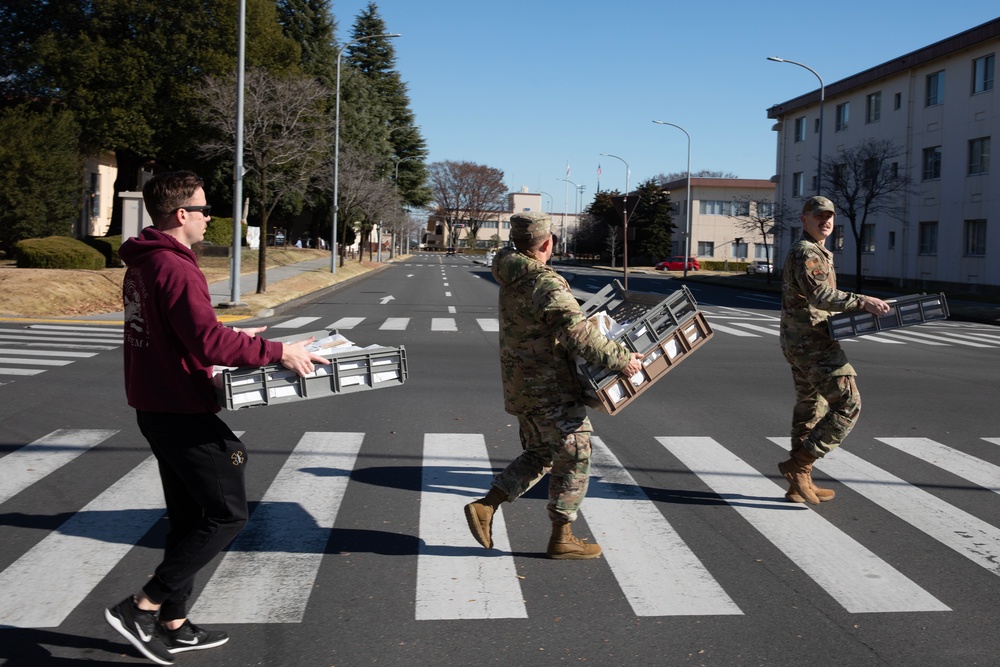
[(542, 330), (827, 403)]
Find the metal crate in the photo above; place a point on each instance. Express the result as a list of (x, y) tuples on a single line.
[(904, 311), (348, 372), (666, 329)]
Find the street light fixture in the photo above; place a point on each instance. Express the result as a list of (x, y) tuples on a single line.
[(628, 173), (234, 279), (336, 151), (822, 96), (690, 209)]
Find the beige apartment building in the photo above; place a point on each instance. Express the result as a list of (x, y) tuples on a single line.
[(939, 105), (495, 228), (721, 211)]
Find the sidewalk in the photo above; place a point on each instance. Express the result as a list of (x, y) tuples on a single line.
[(220, 291)]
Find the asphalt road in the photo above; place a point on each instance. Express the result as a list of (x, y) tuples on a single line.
[(357, 552)]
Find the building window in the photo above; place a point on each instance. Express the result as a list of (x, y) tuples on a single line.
[(897, 101), (797, 184), (935, 89), (706, 249), (712, 207), (740, 250), (979, 156), (932, 163), (928, 238), (867, 238), (765, 209), (800, 129), (763, 251), (740, 208), (982, 74), (873, 107), (838, 237), (892, 240), (975, 238), (843, 116)]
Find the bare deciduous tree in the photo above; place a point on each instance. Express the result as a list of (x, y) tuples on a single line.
[(466, 193), (760, 218), (287, 136), (365, 197), (865, 181)]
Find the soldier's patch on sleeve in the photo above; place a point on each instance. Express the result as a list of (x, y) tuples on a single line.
[(815, 269)]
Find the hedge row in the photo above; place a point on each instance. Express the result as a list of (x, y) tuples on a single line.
[(57, 252)]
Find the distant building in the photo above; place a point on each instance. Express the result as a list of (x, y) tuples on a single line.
[(719, 206), (494, 230), (939, 105)]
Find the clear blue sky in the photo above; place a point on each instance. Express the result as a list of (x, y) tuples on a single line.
[(529, 85)]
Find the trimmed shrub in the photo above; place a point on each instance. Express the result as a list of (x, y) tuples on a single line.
[(220, 231), (57, 252), (107, 246)]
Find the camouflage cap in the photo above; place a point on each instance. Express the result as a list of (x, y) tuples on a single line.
[(817, 204), (530, 225)]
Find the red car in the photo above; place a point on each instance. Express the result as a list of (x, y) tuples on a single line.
[(677, 264)]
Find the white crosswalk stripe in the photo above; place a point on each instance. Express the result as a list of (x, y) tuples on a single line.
[(37, 348), (268, 574), (854, 576), (456, 578), (742, 326), (971, 537)]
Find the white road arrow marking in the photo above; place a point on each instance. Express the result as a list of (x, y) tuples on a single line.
[(387, 299)]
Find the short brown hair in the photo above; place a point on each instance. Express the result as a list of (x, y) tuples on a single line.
[(531, 245), (165, 193)]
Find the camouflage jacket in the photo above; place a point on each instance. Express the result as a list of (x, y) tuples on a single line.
[(808, 295), (542, 329)]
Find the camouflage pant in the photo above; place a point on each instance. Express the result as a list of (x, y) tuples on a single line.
[(557, 443), (827, 406)]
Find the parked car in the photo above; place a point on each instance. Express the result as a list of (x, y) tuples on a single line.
[(677, 264), (450, 252), (760, 266)]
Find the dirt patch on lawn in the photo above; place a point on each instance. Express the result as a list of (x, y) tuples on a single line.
[(55, 292), (73, 293)]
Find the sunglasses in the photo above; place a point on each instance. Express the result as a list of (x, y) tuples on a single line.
[(204, 210)]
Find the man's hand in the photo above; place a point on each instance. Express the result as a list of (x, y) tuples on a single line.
[(296, 357), (634, 365), (876, 306)]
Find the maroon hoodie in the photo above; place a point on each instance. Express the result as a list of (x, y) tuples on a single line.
[(172, 336)]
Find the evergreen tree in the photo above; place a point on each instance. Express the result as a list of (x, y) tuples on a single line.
[(40, 171), (311, 25), (130, 69), (652, 221), (388, 126)]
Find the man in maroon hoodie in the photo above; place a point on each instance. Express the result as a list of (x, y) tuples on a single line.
[(172, 341)]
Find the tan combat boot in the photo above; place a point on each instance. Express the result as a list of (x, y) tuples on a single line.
[(797, 471), (479, 514), (823, 494), (564, 546)]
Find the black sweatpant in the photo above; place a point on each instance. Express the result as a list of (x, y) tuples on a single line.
[(201, 466)]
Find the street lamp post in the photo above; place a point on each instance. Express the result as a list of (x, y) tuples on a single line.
[(576, 210), (822, 96), (624, 221), (234, 281), (336, 151), (690, 208)]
